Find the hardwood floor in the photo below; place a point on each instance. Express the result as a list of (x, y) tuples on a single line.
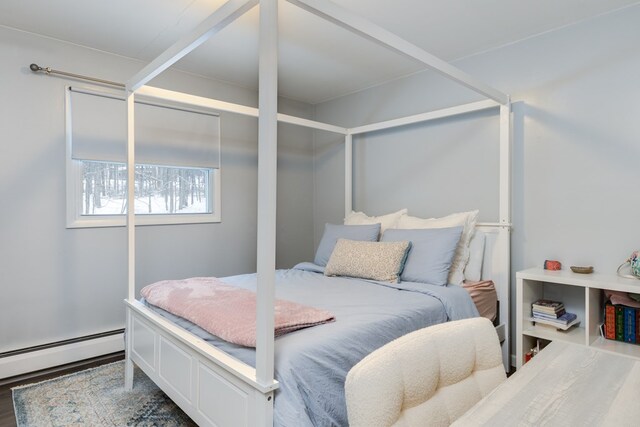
[(7, 417)]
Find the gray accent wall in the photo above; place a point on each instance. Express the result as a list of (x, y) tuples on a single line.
[(576, 156), (59, 283)]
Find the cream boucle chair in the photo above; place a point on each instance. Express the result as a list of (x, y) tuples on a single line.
[(429, 377)]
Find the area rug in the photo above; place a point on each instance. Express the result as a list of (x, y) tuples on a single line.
[(96, 398)]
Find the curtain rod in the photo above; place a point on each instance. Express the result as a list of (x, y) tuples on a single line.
[(36, 68)]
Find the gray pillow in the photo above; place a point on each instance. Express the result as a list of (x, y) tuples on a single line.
[(431, 254), (333, 232)]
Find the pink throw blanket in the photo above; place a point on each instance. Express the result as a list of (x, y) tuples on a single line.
[(226, 311)]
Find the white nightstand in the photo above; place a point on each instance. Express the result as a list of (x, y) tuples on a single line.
[(581, 294)]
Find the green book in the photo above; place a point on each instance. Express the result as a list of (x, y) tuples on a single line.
[(619, 323)]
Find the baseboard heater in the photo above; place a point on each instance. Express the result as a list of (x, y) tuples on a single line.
[(44, 356)]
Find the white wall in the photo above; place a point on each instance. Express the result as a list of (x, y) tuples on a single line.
[(59, 283), (576, 145)]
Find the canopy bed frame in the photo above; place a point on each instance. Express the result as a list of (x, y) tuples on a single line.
[(212, 387)]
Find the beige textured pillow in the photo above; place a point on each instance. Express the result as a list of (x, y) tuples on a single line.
[(381, 261)]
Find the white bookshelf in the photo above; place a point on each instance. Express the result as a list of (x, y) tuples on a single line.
[(581, 294)]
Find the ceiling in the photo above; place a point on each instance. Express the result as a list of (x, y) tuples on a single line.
[(318, 60)]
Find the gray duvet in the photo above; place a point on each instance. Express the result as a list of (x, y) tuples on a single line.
[(312, 364)]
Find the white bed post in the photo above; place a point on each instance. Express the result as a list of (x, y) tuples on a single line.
[(131, 235), (348, 174), (267, 180), (505, 222), (505, 164)]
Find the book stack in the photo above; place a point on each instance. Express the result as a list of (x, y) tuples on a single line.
[(552, 313), (622, 323)]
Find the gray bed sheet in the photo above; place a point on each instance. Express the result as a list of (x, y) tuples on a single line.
[(312, 364)]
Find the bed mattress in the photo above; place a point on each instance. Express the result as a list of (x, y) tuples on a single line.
[(311, 364)]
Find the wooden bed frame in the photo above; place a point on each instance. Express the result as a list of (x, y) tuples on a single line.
[(213, 388)]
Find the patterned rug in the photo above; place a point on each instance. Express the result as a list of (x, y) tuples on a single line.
[(96, 398)]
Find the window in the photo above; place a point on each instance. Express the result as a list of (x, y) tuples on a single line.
[(160, 190), (177, 162)]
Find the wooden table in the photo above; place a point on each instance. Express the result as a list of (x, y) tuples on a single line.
[(564, 385)]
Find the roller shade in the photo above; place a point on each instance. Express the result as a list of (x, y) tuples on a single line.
[(165, 135)]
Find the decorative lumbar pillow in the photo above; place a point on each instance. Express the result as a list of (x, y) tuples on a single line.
[(386, 221), (431, 253), (465, 219), (333, 232), (381, 261)]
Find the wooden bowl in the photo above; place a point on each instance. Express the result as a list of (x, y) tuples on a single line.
[(582, 270)]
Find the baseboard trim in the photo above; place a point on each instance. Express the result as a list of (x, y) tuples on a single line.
[(23, 363)]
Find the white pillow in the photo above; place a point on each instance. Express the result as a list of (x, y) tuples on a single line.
[(386, 221), (473, 270), (466, 219)]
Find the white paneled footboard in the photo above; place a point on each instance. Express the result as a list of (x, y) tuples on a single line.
[(210, 386)]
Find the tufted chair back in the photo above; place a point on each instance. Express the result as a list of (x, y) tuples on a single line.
[(429, 377)]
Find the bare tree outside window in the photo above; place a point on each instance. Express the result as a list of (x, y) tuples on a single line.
[(158, 189)]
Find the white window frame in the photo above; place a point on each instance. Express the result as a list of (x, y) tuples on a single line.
[(75, 219)]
